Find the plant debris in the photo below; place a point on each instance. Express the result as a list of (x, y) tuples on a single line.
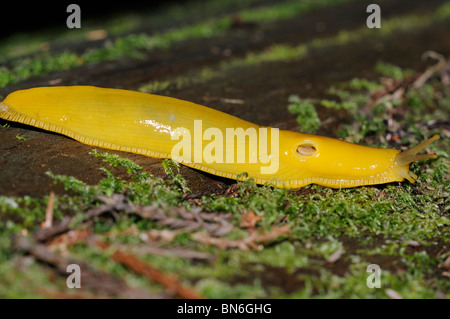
[(93, 280), (334, 257), (251, 241), (249, 219), (151, 273), (175, 217)]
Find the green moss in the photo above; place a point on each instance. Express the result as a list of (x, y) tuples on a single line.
[(26, 284), (287, 10), (286, 254), (136, 45), (391, 71), (30, 211), (363, 85), (155, 86), (71, 183), (114, 160), (318, 220), (307, 117), (21, 138), (28, 67), (159, 19), (368, 224), (284, 53), (215, 289), (350, 101)]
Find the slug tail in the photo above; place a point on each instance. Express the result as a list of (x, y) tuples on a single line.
[(409, 156)]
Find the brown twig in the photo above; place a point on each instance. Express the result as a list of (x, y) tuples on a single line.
[(49, 211), (438, 67), (391, 92), (93, 280), (395, 90), (232, 190), (246, 243), (215, 223), (45, 234), (151, 273)]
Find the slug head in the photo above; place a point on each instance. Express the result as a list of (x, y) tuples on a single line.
[(339, 164), (403, 159)]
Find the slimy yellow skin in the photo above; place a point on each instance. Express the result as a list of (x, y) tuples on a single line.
[(146, 124)]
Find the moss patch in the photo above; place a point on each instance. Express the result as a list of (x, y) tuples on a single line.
[(334, 234)]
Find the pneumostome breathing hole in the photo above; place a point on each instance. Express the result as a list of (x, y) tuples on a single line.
[(306, 150)]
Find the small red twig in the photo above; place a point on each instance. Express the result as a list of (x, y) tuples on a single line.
[(151, 273)]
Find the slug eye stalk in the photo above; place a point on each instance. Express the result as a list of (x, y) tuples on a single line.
[(409, 156)]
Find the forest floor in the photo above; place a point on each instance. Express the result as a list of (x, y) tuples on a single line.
[(140, 227)]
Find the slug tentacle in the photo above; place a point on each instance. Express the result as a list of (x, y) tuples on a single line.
[(403, 159), (409, 156)]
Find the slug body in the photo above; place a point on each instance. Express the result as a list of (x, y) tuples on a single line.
[(204, 138)]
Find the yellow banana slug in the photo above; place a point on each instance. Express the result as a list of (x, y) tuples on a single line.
[(206, 139)]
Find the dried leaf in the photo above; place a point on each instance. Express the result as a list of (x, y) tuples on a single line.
[(249, 219), (336, 255), (245, 243), (393, 294)]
